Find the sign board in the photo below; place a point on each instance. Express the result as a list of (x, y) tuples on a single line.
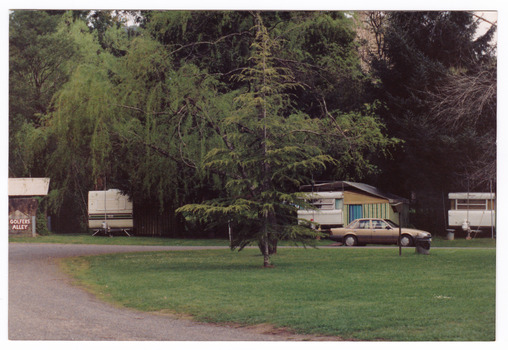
[(19, 222), (21, 212)]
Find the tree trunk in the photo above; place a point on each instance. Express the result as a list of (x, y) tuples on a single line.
[(271, 245), (264, 247), (268, 243)]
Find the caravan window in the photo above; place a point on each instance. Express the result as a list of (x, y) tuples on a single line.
[(471, 204), (324, 203)]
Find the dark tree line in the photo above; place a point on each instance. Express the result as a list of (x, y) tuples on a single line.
[(439, 89)]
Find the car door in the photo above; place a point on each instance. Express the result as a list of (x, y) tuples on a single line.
[(382, 233), (364, 231)]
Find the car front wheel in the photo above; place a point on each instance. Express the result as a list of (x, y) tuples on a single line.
[(350, 241)]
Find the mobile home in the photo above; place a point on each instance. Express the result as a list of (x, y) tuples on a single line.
[(475, 211), (109, 211), (338, 203)]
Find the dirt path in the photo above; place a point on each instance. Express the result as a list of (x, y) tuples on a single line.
[(43, 304)]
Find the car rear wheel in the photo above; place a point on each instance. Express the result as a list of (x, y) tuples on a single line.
[(350, 241), (406, 241)]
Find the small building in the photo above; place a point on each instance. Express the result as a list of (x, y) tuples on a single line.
[(340, 202), (477, 210), (23, 204)]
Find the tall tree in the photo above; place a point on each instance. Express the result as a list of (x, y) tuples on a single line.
[(269, 149), (38, 66), (73, 141), (262, 152), (423, 52), (465, 105)]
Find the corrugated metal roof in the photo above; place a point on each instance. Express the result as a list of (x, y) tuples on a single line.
[(345, 185), (29, 186)]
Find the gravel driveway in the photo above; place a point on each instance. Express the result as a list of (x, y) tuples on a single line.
[(44, 305)]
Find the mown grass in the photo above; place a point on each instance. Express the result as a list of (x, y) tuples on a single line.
[(117, 240), (361, 294), (137, 240)]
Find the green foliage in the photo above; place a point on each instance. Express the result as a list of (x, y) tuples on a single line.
[(79, 128), (321, 50), (38, 60), (38, 54), (216, 41), (166, 134)]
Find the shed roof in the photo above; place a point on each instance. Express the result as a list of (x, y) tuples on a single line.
[(348, 185), (28, 186)]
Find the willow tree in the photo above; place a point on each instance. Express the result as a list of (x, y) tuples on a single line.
[(74, 141), (265, 151), (39, 57)]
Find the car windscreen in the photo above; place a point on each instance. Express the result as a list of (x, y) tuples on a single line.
[(352, 224), (391, 223)]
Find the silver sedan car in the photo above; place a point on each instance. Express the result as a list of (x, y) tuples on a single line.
[(377, 231)]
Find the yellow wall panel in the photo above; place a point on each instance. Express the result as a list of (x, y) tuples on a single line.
[(358, 198)]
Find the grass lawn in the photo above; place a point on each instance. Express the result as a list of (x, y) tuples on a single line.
[(356, 294), (124, 240), (117, 240)]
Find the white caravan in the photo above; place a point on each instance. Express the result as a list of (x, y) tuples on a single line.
[(328, 209), (472, 211), (109, 211)]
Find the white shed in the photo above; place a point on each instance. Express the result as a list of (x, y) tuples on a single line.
[(23, 203)]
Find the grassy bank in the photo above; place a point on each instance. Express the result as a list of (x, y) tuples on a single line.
[(365, 294)]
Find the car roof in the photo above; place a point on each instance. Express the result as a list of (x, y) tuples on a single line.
[(371, 219)]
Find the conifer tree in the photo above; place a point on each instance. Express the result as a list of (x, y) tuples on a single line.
[(264, 154)]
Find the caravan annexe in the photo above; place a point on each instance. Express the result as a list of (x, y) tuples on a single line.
[(355, 201)]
